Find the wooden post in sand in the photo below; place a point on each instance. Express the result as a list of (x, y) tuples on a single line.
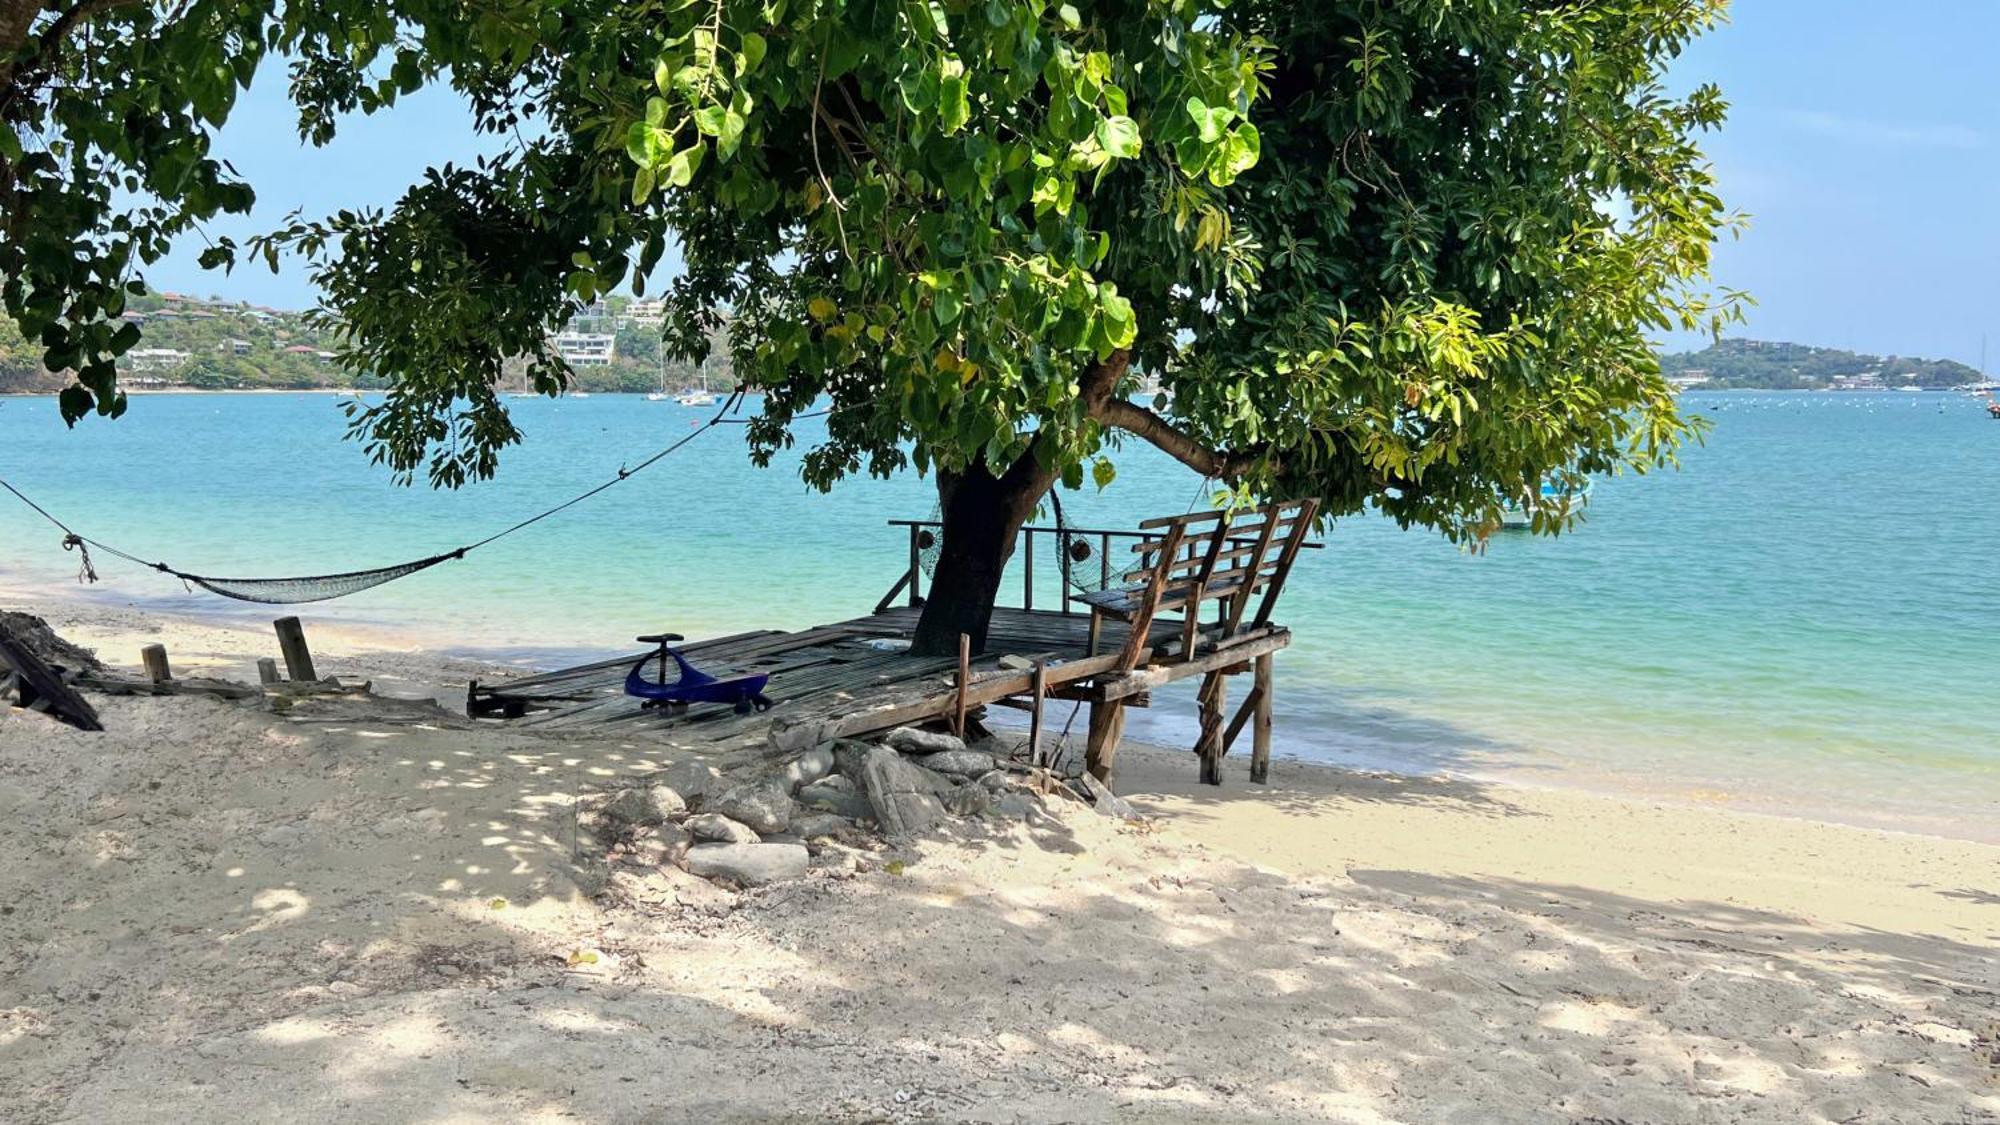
[(154, 657), (1213, 700), (292, 642), (1040, 691), (964, 674), (1107, 723), (1260, 723), (267, 670)]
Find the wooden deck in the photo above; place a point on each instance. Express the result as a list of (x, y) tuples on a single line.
[(854, 677)]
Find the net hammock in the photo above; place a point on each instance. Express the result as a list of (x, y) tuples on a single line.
[(325, 587)]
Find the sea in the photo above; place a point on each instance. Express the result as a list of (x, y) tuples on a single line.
[(1800, 620)]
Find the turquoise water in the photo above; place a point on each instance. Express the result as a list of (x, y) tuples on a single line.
[(1803, 618)]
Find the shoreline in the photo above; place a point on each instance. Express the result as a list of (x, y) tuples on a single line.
[(228, 644)]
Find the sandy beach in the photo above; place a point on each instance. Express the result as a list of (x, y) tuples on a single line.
[(215, 912)]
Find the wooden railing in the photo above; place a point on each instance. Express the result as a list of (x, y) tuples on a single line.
[(1100, 539)]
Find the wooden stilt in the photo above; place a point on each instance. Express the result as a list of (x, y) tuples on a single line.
[(1213, 699), (267, 670), (292, 643), (1260, 730), (154, 657), (1107, 723), (1041, 695), (964, 676)]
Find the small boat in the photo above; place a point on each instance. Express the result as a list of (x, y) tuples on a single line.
[(692, 397), (1555, 498)]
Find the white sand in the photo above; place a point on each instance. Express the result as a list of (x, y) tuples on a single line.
[(210, 913)]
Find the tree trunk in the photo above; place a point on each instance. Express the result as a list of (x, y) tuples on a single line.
[(982, 515)]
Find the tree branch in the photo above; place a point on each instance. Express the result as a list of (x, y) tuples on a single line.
[(1161, 434)]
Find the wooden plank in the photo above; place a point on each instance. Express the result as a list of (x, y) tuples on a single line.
[(1246, 647), (39, 687), (1040, 695), (1142, 620), (267, 670), (1307, 508), (964, 676)]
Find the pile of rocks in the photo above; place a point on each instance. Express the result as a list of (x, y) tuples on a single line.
[(819, 807)]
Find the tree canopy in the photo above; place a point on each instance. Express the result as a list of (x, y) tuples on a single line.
[(1399, 251)]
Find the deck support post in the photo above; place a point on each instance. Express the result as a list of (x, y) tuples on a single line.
[(1213, 699), (1260, 724), (154, 657), (1040, 693), (964, 675), (267, 670), (292, 643), (1107, 723)]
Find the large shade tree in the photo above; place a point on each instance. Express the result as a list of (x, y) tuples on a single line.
[(1399, 253)]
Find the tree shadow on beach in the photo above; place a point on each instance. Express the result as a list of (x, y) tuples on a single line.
[(383, 921)]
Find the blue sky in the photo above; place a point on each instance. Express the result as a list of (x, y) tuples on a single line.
[(1864, 141)]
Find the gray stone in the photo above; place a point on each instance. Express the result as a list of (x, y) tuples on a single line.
[(911, 740), (903, 796), (1015, 806), (807, 768), (715, 826), (968, 800), (959, 763), (748, 865), (840, 802), (692, 779), (995, 781), (763, 805), (848, 756), (1105, 801), (811, 825), (836, 781), (642, 805), (659, 845)]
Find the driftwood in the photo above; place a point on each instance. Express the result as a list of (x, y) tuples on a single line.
[(40, 686), (112, 684)]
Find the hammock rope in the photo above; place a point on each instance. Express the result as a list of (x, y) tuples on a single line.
[(326, 587)]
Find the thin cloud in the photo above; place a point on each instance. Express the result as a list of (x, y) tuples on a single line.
[(1884, 134)]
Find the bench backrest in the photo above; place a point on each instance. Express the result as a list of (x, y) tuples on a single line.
[(1219, 554)]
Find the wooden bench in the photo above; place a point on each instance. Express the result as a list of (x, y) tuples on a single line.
[(1204, 557)]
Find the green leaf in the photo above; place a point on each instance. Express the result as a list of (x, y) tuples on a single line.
[(1119, 136), (752, 51), (1103, 472), (682, 166)]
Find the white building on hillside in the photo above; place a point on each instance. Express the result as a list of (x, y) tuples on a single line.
[(586, 349)]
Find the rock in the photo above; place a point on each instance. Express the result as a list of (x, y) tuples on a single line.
[(911, 740), (660, 845), (748, 865), (811, 825), (1015, 662), (904, 796), (848, 756), (643, 805), (1105, 801), (959, 763), (838, 802), (763, 805), (715, 826), (807, 768), (995, 781), (968, 800), (1014, 806), (692, 780), (785, 838), (836, 781)]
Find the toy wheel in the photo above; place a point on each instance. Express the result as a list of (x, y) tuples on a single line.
[(743, 706)]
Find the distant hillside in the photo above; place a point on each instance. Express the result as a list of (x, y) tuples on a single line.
[(189, 342), (1762, 365)]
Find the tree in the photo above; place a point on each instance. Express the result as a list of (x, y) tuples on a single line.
[(1395, 253)]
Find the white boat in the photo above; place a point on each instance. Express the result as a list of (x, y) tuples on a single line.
[(692, 397), (1556, 499)]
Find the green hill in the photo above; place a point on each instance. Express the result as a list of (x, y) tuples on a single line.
[(1763, 365), (211, 344)]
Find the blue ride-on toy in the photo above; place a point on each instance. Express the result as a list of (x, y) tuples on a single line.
[(694, 685)]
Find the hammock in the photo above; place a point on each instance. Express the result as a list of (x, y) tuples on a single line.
[(325, 587)]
